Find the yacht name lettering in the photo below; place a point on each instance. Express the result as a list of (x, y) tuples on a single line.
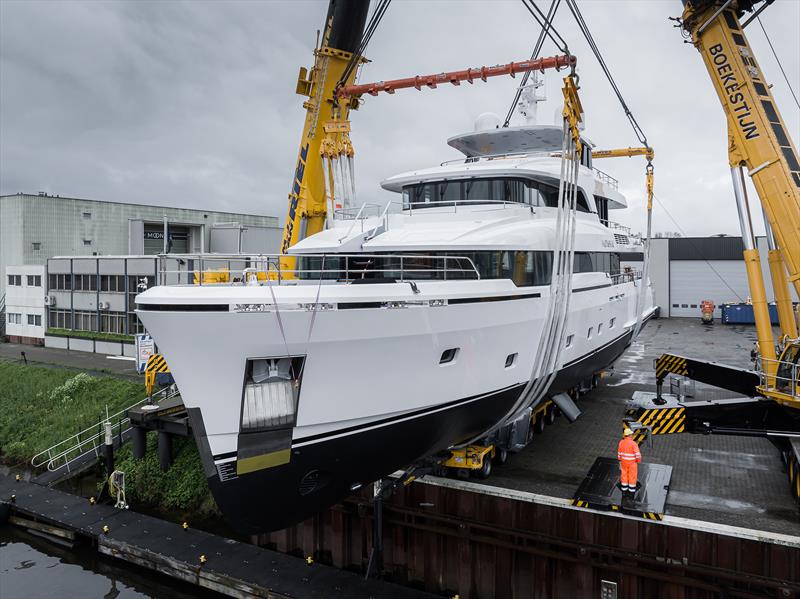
[(251, 307), (741, 109)]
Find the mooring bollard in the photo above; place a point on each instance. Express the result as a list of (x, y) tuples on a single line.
[(108, 448)]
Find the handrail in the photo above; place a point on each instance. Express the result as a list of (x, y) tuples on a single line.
[(353, 224), (55, 454), (781, 381), (605, 177), (504, 155), (267, 267)]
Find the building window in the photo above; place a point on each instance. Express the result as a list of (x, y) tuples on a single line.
[(85, 282), (34, 280), (59, 319), (60, 282), (85, 321), (87, 215), (112, 322), (14, 318), (115, 283), (15, 280), (35, 320), (87, 242), (37, 245)]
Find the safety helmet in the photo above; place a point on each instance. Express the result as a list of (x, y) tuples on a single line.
[(627, 432)]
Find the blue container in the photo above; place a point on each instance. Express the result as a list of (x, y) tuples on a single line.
[(743, 314)]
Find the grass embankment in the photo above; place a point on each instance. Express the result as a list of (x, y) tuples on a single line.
[(41, 406)]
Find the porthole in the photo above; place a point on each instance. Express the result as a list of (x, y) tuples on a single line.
[(511, 359)]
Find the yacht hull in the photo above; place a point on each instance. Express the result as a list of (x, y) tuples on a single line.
[(374, 396), (321, 472)]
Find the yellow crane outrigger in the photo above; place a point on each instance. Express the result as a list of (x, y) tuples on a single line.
[(758, 140)]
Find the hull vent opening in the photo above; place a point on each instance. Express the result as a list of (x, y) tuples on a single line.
[(449, 355), (511, 359)]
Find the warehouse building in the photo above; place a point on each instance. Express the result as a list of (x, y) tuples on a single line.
[(685, 271), (35, 227)]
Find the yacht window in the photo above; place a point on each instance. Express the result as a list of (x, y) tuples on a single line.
[(570, 338), (524, 268), (490, 190), (602, 209), (589, 334), (607, 262), (599, 328), (612, 322), (511, 359)]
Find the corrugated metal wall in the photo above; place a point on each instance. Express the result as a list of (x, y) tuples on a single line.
[(485, 546), (705, 248)]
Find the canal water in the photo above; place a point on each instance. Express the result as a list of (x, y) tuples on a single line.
[(32, 568)]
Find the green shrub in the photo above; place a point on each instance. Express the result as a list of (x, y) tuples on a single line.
[(41, 406), (92, 335)]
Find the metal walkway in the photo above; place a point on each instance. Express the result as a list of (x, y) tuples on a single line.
[(229, 567), (80, 451)]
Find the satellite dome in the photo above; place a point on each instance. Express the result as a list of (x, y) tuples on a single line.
[(487, 121)]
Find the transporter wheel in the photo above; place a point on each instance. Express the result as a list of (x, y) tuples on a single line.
[(540, 423), (501, 457), (485, 469), (551, 415)]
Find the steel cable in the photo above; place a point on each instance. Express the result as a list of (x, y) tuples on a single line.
[(551, 13), (778, 60)]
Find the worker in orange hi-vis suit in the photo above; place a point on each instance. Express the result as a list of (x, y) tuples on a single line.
[(628, 456)]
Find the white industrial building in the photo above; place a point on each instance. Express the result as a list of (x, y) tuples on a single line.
[(35, 227), (25, 315)]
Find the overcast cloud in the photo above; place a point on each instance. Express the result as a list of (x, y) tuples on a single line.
[(192, 104)]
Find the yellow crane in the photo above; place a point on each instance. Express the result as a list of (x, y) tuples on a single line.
[(335, 63), (758, 141)]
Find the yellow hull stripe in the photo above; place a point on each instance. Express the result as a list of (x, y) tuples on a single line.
[(260, 462)]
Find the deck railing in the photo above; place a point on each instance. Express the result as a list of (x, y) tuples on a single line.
[(785, 380), (262, 269)]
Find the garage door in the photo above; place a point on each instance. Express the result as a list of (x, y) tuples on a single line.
[(692, 281)]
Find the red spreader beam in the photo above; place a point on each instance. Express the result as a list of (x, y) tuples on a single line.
[(456, 77)]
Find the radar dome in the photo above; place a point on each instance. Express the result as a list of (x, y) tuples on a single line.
[(487, 121)]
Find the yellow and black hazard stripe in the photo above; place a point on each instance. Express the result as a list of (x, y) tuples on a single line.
[(668, 363), (580, 503), (662, 421), (156, 363), (652, 516)]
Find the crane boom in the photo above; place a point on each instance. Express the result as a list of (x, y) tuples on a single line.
[(342, 35), (757, 134), (757, 140)]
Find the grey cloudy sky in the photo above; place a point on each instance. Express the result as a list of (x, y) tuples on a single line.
[(192, 103)]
